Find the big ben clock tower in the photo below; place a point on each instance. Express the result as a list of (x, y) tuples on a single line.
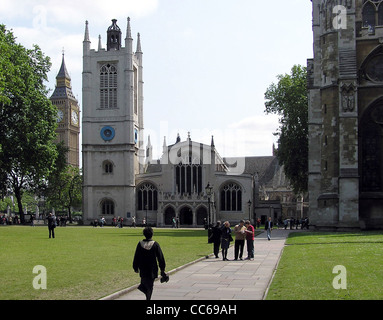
[(68, 116)]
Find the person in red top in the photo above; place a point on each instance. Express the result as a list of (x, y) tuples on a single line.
[(249, 240)]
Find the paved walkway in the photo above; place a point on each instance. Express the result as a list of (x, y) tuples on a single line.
[(214, 279)]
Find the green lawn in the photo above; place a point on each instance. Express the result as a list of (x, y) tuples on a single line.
[(84, 262), (306, 266)]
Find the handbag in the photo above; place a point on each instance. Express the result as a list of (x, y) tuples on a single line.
[(164, 278)]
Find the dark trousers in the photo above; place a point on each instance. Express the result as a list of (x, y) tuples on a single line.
[(250, 248), (51, 232), (146, 287), (216, 248), (238, 248)]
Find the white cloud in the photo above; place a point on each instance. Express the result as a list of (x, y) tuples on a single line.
[(73, 11), (252, 136)]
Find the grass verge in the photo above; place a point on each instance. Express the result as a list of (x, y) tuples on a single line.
[(84, 263), (305, 271)]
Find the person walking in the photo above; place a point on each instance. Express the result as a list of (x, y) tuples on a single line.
[(51, 226), (249, 240), (215, 237), (269, 227), (240, 236), (225, 239), (148, 252)]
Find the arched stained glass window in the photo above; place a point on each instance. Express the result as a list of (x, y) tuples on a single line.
[(108, 87), (380, 14), (231, 197), (147, 196), (107, 207), (108, 167), (189, 176), (371, 149), (369, 15)]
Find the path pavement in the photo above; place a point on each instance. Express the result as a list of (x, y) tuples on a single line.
[(214, 279)]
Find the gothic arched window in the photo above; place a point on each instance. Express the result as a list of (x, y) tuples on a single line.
[(147, 197), (108, 87), (369, 15), (380, 14), (189, 176), (107, 208), (108, 167), (231, 197), (371, 149)]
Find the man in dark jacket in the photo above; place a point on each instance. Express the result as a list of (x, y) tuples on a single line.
[(51, 225), (148, 252)]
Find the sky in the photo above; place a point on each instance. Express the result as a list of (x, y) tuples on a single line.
[(207, 63)]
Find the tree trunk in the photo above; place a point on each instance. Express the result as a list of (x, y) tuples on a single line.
[(70, 214)]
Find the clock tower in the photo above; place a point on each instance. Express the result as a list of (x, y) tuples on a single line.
[(68, 116), (112, 122)]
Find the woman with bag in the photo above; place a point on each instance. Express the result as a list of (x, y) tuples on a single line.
[(225, 239)]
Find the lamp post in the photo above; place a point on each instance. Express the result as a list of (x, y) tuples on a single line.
[(208, 191), (146, 219), (249, 203)]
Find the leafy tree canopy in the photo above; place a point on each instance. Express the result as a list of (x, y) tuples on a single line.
[(27, 117), (289, 99)]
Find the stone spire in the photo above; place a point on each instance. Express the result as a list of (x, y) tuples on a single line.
[(63, 83), (128, 30), (63, 73), (139, 50), (86, 37), (149, 152), (99, 43)]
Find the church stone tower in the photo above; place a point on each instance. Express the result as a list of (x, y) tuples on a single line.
[(113, 152), (345, 81), (68, 117)]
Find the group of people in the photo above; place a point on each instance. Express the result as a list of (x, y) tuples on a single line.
[(304, 223), (221, 236), (7, 220), (149, 259)]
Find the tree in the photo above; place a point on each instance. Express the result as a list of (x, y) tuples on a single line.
[(27, 117), (289, 100), (65, 189)]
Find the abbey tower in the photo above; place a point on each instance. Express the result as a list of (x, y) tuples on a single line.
[(112, 124), (345, 81)]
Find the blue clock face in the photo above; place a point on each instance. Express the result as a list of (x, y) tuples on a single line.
[(108, 133)]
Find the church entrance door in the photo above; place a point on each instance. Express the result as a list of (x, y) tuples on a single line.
[(186, 216), (169, 215), (201, 216)]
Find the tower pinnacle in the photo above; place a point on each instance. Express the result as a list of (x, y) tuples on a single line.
[(139, 50), (128, 30), (86, 37)]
